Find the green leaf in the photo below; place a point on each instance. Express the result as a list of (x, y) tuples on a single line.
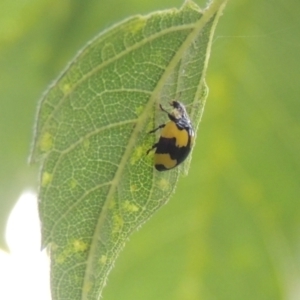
[(97, 185)]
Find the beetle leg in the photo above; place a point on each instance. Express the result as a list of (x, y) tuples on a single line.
[(154, 146), (160, 106), (159, 127)]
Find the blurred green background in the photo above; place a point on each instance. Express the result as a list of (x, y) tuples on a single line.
[(232, 229)]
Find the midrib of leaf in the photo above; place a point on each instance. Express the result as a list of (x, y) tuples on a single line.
[(215, 7)]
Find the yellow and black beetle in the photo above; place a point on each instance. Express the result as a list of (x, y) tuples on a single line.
[(176, 139)]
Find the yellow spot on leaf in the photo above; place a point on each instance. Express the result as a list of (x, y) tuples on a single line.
[(46, 178), (66, 88), (164, 184), (79, 246), (139, 110), (137, 154), (136, 27), (103, 259), (130, 207), (73, 183), (117, 223), (46, 142), (60, 259), (75, 246)]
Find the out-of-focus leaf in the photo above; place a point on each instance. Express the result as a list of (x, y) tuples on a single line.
[(17, 67)]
